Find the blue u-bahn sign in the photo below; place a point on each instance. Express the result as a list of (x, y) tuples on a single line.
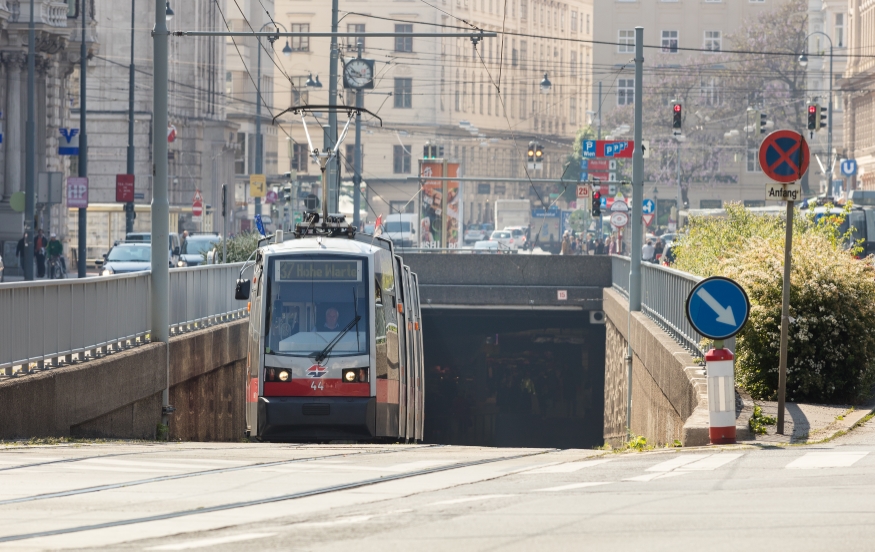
[(718, 308)]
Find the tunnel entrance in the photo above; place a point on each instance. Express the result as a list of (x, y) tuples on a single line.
[(508, 378)]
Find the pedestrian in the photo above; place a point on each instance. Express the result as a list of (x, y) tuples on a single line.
[(660, 248), (19, 249), (39, 252), (647, 251), (56, 249), (600, 247), (566, 245)]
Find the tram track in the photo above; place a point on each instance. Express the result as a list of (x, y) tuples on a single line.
[(214, 471), (269, 500)]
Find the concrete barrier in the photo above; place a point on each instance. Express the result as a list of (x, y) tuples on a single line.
[(119, 396)]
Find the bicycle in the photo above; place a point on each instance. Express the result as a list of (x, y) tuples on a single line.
[(56, 268)]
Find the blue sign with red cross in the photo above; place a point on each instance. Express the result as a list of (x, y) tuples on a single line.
[(784, 156)]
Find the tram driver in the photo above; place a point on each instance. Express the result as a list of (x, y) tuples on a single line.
[(331, 324)]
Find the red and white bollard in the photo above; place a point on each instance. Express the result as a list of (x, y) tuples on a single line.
[(720, 364)]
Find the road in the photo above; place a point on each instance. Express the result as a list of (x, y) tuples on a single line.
[(337, 497)]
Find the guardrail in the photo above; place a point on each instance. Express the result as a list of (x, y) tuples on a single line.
[(663, 298), (49, 323)]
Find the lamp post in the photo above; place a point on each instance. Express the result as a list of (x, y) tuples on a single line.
[(259, 142), (30, 150), (803, 61), (546, 85)]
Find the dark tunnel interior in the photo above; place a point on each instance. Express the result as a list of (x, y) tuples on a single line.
[(513, 378)]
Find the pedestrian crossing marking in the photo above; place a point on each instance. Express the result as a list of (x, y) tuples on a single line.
[(684, 464), (568, 467), (832, 459), (469, 499), (711, 463), (674, 463)]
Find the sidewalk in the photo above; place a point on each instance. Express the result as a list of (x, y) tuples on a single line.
[(804, 423)]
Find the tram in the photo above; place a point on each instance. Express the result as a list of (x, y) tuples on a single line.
[(335, 338)]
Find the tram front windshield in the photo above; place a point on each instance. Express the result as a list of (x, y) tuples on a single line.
[(312, 301)]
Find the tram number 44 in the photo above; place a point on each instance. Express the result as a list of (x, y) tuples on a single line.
[(319, 387)]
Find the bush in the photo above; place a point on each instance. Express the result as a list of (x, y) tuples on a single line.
[(240, 247), (831, 348)]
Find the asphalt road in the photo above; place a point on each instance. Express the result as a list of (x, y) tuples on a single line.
[(340, 497)]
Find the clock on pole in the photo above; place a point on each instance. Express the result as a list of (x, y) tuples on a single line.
[(358, 74)]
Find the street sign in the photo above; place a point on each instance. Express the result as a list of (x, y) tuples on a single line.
[(599, 164), (619, 205), (69, 144), (582, 191), (718, 308), (648, 219), (792, 191), (607, 148), (124, 188), (197, 206), (171, 134), (849, 167), (784, 156), (257, 185), (77, 192), (562, 295), (270, 197), (648, 206), (619, 218)]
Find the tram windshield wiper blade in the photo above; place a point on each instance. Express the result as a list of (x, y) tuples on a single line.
[(327, 350)]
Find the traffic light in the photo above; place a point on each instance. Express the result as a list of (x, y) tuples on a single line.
[(677, 117), (763, 122), (430, 151), (539, 154), (813, 117), (824, 113), (530, 154), (596, 204)]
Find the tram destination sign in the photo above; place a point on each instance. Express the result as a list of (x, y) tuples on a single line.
[(306, 271)]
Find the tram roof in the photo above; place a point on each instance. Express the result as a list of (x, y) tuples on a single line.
[(310, 244)]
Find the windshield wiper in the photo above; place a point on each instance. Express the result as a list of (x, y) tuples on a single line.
[(327, 350)]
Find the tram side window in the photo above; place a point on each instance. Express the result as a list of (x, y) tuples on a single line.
[(315, 300), (385, 317)]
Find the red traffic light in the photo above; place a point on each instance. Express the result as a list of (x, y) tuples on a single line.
[(812, 109), (677, 108)]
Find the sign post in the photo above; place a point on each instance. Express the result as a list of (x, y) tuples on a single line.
[(197, 207), (784, 157), (718, 308)]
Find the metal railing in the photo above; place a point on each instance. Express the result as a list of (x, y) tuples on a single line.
[(46, 324), (663, 298)]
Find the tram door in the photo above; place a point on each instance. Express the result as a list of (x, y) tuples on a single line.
[(402, 347), (419, 377), (410, 313), (255, 347)]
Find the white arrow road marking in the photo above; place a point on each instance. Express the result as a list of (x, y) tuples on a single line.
[(724, 315)]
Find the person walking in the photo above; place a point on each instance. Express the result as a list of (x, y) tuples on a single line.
[(600, 247), (647, 252), (19, 249), (55, 251), (39, 253), (566, 246)]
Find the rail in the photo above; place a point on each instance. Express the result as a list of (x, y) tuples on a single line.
[(663, 295), (46, 324)]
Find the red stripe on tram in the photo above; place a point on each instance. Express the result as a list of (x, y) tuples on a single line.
[(316, 387)]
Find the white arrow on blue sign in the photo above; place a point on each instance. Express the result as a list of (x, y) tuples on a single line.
[(648, 206), (718, 308), (69, 145), (849, 167)]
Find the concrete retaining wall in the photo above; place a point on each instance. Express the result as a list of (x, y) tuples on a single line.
[(119, 396), (669, 391)]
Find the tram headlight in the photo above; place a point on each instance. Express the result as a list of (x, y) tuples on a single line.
[(350, 376), (284, 375), (355, 375)]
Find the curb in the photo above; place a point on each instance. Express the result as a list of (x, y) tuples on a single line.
[(840, 427)]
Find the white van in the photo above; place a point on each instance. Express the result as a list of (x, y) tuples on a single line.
[(401, 229)]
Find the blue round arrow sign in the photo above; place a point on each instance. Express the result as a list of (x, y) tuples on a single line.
[(718, 307)]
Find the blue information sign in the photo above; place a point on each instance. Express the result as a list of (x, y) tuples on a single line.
[(648, 207), (849, 167), (259, 224), (718, 308)]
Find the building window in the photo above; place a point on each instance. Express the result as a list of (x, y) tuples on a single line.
[(349, 158), (403, 92), (573, 21), (501, 189), (625, 91), (572, 60), (710, 204), (524, 9), (403, 43), (402, 206), (300, 97), (523, 103), (753, 160), (300, 43), (710, 92), (754, 202), (713, 41), (400, 160), (839, 34), (484, 189), (626, 41), (352, 41), (524, 53), (299, 157), (670, 42), (587, 23), (572, 110)]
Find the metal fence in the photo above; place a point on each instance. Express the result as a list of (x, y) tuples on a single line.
[(663, 298), (48, 323)]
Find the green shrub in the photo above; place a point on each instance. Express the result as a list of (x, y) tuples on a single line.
[(831, 348), (240, 247)]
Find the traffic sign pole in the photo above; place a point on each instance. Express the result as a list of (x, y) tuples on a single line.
[(720, 365), (785, 318)]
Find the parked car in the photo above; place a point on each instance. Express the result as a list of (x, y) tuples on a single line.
[(146, 237), (401, 229), (485, 246), (503, 237), (475, 232), (126, 257), (194, 248)]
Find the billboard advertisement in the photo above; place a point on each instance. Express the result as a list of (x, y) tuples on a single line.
[(431, 215)]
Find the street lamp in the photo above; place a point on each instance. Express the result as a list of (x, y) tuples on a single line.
[(546, 85), (803, 61), (259, 141), (168, 12), (313, 83)]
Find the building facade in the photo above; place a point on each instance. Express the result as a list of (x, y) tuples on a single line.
[(856, 92), (480, 101)]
